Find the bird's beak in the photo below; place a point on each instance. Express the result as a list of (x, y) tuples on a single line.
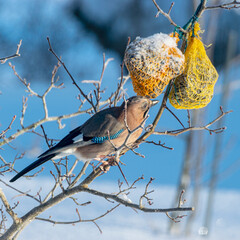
[(154, 102)]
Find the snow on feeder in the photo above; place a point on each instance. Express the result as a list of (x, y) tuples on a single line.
[(195, 86), (152, 62)]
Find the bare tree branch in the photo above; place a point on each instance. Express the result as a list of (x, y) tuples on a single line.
[(181, 201), (132, 205), (167, 15), (70, 75), (159, 144), (65, 183), (21, 193), (17, 54), (206, 127), (122, 82), (8, 208), (82, 172), (145, 194), (231, 5), (79, 220), (8, 128)]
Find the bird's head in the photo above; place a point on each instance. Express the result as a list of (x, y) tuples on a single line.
[(139, 106)]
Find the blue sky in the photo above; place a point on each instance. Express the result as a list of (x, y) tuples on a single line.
[(160, 163), (83, 55)]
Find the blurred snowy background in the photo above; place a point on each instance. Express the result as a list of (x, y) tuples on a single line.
[(81, 31), (124, 223)]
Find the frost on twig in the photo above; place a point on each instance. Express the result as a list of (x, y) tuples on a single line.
[(181, 201), (8, 128), (146, 193), (230, 5), (17, 54)]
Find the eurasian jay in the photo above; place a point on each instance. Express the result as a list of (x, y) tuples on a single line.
[(91, 140)]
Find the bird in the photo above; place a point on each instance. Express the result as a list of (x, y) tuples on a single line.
[(101, 134)]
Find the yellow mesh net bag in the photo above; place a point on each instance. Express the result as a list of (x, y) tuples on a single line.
[(152, 62), (194, 87)]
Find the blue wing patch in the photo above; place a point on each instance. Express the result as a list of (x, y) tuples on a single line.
[(102, 139)]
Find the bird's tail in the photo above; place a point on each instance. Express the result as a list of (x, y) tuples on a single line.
[(35, 164)]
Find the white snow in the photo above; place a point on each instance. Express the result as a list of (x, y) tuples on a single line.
[(153, 43), (157, 45), (158, 39), (124, 223)]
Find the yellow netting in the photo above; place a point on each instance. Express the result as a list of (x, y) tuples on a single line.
[(152, 62), (194, 87)]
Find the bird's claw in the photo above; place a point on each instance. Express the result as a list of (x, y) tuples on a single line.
[(105, 166)]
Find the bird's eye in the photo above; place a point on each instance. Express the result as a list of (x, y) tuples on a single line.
[(144, 105)]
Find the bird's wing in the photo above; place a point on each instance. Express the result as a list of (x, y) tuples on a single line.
[(103, 124), (62, 146), (74, 136), (94, 130)]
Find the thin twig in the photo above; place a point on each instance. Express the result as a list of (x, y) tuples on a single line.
[(146, 193), (189, 118), (17, 54), (159, 144), (70, 75), (99, 83), (79, 220), (21, 192), (45, 136), (231, 5), (175, 116), (181, 201), (82, 172), (9, 209), (167, 15), (120, 85), (9, 126), (24, 108), (206, 127), (132, 205)]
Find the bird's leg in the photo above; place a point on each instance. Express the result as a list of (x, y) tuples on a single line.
[(114, 161), (111, 161), (105, 165), (100, 160)]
